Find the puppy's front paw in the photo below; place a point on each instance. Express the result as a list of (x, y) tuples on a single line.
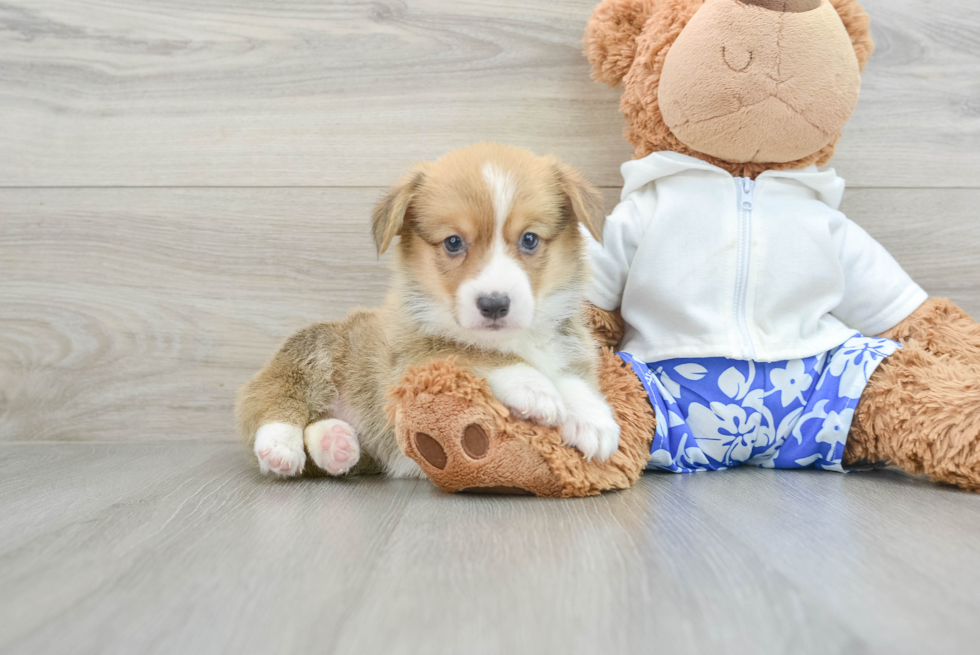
[(528, 394), (279, 447), (590, 425), (333, 445)]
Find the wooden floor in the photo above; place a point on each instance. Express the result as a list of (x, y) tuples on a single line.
[(184, 183), (183, 548)]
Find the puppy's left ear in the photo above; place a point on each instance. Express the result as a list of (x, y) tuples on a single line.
[(583, 201), (390, 213)]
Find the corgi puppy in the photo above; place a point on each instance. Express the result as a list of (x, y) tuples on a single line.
[(489, 269)]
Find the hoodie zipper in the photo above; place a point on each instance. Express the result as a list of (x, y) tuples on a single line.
[(746, 203)]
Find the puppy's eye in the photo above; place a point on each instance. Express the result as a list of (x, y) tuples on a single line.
[(530, 241), (453, 244)]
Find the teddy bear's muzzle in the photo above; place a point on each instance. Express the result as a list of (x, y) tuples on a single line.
[(749, 85)]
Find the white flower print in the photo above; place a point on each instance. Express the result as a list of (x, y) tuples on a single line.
[(690, 459), (736, 412), (726, 433), (835, 428), (661, 458), (691, 371), (791, 381), (766, 457), (733, 384), (672, 387), (856, 360)]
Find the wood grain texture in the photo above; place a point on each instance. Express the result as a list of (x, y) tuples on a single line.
[(164, 548), (310, 93), (135, 314), (130, 521)]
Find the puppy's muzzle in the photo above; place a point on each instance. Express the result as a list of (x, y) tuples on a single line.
[(494, 305)]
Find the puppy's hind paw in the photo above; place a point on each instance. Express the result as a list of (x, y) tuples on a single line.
[(279, 449), (332, 445)]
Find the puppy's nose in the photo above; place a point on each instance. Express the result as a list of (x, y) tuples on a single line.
[(785, 6), (494, 305)]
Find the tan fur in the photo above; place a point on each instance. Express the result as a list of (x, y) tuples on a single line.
[(350, 364), (608, 327), (627, 41), (921, 409), (442, 400)]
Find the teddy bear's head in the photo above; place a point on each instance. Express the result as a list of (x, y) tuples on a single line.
[(747, 85)]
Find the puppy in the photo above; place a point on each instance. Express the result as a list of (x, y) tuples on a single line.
[(490, 269)]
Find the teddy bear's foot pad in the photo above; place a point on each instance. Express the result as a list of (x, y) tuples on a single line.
[(466, 441)]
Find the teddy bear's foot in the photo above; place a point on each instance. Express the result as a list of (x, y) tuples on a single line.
[(465, 440), (921, 411), (447, 420)]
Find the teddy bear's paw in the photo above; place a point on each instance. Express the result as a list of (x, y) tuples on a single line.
[(528, 394), (589, 424), (332, 445), (279, 449)]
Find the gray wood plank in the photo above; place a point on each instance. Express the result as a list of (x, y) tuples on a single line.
[(896, 556), (202, 555), (349, 93), (209, 556), (615, 574), (934, 235), (134, 314), (188, 292)]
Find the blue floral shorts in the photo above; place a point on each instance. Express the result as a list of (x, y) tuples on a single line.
[(716, 413)]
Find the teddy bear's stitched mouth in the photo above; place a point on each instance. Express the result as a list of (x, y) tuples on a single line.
[(745, 108)]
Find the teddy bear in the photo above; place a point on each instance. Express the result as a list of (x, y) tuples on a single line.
[(756, 324)]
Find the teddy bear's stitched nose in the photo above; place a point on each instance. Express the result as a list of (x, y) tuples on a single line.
[(786, 6)]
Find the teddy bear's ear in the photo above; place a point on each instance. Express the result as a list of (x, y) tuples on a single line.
[(389, 213), (610, 37), (583, 201), (858, 26)]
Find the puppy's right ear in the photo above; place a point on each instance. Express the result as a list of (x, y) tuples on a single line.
[(389, 213), (610, 37)]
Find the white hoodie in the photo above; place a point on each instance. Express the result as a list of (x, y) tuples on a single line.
[(708, 265)]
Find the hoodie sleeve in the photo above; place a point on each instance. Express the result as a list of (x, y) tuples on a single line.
[(878, 293), (611, 260)]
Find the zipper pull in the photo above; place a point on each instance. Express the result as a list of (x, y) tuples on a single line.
[(748, 187)]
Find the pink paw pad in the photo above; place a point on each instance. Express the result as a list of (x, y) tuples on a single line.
[(341, 451), (332, 445)]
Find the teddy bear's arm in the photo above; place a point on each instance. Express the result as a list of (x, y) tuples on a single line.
[(607, 327)]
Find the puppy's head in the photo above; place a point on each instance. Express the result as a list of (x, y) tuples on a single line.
[(490, 244)]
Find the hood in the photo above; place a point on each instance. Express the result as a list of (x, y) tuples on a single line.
[(828, 186)]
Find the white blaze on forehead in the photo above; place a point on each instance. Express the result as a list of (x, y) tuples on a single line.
[(502, 274), (502, 189)]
